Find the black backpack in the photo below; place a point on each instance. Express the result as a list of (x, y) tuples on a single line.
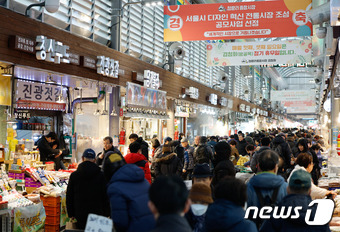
[(267, 201)]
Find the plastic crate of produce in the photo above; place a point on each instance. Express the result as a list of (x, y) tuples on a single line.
[(52, 220), (51, 201), (52, 228), (52, 211)]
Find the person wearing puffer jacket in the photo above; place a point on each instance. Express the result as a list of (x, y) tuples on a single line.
[(226, 213), (135, 157), (304, 162), (128, 194), (168, 163)]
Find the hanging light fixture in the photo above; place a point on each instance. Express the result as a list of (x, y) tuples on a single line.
[(8, 72), (105, 112), (49, 79), (97, 111), (80, 110)]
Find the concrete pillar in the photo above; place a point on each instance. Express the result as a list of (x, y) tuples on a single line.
[(114, 120), (171, 120), (116, 22)]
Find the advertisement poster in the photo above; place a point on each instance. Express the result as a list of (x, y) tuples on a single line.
[(259, 53), (144, 97), (241, 20), (30, 218)]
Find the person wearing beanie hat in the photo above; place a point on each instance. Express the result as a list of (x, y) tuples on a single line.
[(299, 189), (128, 194), (200, 196), (87, 184)]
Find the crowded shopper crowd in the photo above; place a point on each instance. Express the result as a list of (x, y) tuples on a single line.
[(145, 190)]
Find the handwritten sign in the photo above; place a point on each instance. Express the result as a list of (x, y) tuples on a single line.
[(96, 223)]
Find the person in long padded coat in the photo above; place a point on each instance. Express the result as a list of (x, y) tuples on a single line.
[(168, 163), (128, 194), (86, 191)]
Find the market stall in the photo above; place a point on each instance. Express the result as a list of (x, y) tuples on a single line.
[(31, 198)]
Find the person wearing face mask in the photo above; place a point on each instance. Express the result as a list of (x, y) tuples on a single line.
[(200, 196)]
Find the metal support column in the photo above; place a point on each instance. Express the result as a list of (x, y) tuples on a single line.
[(116, 22)]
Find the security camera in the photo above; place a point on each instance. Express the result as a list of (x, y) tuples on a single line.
[(321, 32), (222, 76), (52, 6), (176, 51), (317, 80)]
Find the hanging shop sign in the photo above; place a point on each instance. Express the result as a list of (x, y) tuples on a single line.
[(74, 58), (242, 107), (248, 109), (259, 53), (240, 20), (107, 66), (151, 79), (140, 96), (31, 95), (192, 92), (22, 44), (51, 50), (212, 98), (22, 114), (230, 103), (223, 101)]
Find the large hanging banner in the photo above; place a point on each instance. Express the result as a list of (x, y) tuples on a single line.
[(295, 101), (292, 95), (259, 53), (281, 18)]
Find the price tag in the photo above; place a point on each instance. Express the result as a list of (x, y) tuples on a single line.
[(96, 223)]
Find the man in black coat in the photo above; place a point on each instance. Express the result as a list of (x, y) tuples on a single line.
[(242, 144), (108, 146), (282, 148), (144, 145), (47, 153), (86, 191)]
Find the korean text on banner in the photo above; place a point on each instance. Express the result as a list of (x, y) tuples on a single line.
[(5, 91), (292, 95), (259, 53), (30, 218), (281, 18)]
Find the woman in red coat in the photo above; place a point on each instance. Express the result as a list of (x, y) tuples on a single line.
[(135, 157)]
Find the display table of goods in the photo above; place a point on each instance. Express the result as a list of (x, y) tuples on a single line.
[(35, 198)]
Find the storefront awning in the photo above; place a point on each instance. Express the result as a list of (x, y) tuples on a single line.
[(141, 115)]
